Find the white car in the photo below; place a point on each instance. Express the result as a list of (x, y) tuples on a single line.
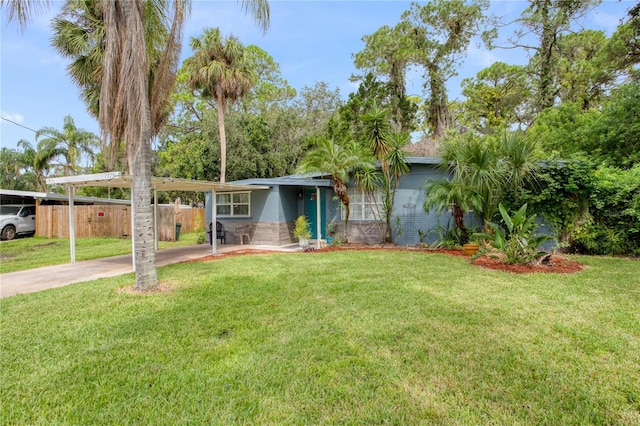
[(17, 220)]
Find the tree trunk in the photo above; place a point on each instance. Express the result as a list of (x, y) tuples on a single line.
[(548, 40), (346, 219), (145, 256), (388, 212), (458, 218), (223, 140), (439, 114), (340, 188)]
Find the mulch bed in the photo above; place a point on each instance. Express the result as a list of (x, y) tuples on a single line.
[(557, 264)]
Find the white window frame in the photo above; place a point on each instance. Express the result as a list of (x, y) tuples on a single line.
[(358, 198), (233, 204)]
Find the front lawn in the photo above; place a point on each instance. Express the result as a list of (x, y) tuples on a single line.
[(353, 337), (29, 253)]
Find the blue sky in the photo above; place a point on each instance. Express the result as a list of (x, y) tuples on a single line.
[(311, 40)]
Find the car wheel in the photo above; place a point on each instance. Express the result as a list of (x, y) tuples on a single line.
[(8, 233)]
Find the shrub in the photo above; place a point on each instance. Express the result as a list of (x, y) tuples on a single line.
[(613, 223), (447, 237), (517, 242), (301, 228)]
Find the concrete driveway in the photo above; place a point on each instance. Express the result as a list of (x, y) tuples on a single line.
[(47, 277)]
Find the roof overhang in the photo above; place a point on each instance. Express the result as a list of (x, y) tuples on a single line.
[(121, 180), (288, 181)]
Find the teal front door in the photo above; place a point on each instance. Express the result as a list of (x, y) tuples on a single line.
[(311, 211)]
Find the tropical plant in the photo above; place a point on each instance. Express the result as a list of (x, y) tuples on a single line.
[(331, 228), (446, 236), (71, 143), (483, 170), (220, 69), (474, 166), (24, 11), (132, 105), (38, 161), (79, 34), (388, 148), (454, 196), (337, 161), (517, 242)]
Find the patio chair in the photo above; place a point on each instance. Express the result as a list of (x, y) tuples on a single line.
[(221, 234), (244, 231)]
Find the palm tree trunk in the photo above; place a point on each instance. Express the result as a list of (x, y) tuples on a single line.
[(340, 188), (388, 205), (223, 140), (458, 218), (145, 255), (346, 219)]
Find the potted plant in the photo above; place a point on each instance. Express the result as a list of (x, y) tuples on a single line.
[(331, 231), (302, 231), (471, 248)]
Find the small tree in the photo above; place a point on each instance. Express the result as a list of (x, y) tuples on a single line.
[(456, 196), (301, 228), (388, 148)]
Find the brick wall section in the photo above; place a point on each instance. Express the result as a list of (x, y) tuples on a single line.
[(361, 232), (281, 233), (267, 233)]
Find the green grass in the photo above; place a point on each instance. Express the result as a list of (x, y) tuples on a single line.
[(329, 338), (29, 253)]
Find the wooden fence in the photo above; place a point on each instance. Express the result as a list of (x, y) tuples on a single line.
[(112, 221)]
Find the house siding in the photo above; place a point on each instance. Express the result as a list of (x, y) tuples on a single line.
[(272, 214), (273, 211)]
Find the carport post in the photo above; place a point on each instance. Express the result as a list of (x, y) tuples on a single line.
[(133, 237), (155, 217), (214, 240), (72, 224), (318, 217)]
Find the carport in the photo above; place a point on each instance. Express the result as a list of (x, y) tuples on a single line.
[(121, 180)]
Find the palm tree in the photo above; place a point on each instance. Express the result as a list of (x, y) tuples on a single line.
[(24, 10), (132, 103), (445, 194), (475, 164), (38, 160), (129, 102), (71, 142), (521, 156), (490, 169), (79, 34), (221, 70), (388, 148), (337, 161)]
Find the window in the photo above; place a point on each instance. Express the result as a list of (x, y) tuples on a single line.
[(364, 206), (233, 204)]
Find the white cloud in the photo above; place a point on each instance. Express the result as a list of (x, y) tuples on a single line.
[(13, 116)]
